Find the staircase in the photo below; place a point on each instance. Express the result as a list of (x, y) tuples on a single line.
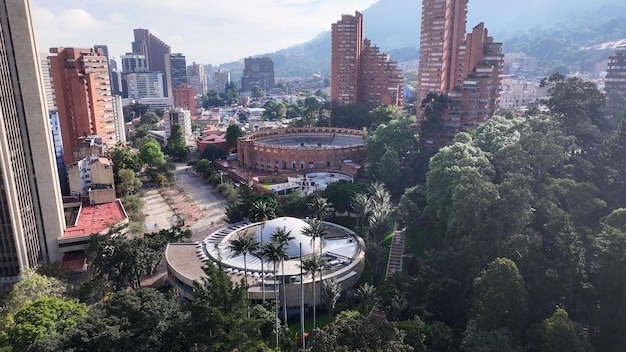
[(394, 265)]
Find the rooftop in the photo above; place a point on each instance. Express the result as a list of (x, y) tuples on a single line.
[(95, 219)]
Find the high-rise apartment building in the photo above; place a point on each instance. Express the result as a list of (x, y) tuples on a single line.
[(466, 68), (196, 78), (258, 71), (616, 71), (185, 97), (156, 52), (83, 94), (220, 79), (360, 72), (178, 69), (31, 211)]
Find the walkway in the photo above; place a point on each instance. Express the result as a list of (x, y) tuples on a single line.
[(394, 265)]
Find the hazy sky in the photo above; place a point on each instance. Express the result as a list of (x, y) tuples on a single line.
[(206, 31)]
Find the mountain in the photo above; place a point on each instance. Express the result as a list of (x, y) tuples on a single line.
[(394, 26)]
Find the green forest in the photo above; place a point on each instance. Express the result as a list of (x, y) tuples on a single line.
[(515, 241)]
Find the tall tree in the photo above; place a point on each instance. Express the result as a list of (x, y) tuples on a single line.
[(500, 298), (331, 291), (218, 315), (233, 132), (340, 194), (312, 265), (262, 211), (361, 204), (282, 237), (559, 334), (151, 154), (399, 137), (578, 105), (351, 331), (244, 244), (177, 143), (611, 290), (321, 207), (128, 182), (40, 319), (143, 320), (275, 253), (316, 231)]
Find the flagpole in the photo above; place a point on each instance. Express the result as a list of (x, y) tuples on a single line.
[(302, 302)]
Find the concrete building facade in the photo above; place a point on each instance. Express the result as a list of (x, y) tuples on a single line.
[(467, 68), (156, 52), (134, 63), (92, 177), (83, 95), (178, 116), (31, 211), (616, 71), (258, 71), (197, 78), (220, 79), (185, 97), (144, 85), (360, 72), (289, 149)]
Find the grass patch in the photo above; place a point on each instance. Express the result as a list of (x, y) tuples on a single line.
[(322, 320)]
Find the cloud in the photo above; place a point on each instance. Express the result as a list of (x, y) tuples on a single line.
[(117, 18), (207, 32)]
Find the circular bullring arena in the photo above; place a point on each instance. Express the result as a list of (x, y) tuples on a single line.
[(300, 149)]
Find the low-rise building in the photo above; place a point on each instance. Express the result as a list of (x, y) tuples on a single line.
[(92, 178)]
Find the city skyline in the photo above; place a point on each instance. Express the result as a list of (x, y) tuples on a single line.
[(236, 32)]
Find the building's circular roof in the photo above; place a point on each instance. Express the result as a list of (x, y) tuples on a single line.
[(291, 224)]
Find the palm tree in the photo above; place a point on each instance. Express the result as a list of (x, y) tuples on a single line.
[(243, 244), (330, 293), (367, 294), (312, 265), (282, 236), (380, 222), (361, 204), (275, 253), (374, 256), (379, 194), (316, 231), (321, 207), (262, 211)]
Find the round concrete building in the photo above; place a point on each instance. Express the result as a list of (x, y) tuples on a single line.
[(300, 148), (342, 250)]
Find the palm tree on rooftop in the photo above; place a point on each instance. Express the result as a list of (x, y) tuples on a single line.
[(243, 244), (312, 265), (316, 231), (282, 236), (262, 211), (275, 253)]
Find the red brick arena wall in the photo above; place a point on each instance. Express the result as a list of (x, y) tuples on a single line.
[(301, 148)]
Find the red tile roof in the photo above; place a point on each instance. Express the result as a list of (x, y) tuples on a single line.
[(95, 219)]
